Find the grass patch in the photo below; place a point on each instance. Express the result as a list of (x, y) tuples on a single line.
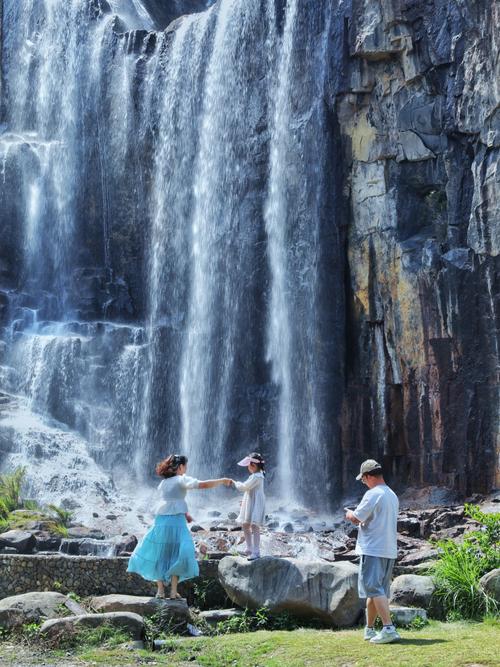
[(437, 645), (17, 512)]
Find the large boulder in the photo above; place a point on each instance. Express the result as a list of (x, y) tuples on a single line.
[(412, 590), (327, 591), (132, 624), (20, 540), (177, 610), (491, 583), (34, 607)]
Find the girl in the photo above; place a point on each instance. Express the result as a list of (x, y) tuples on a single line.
[(252, 511), (167, 552)]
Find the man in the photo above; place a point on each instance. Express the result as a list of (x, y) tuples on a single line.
[(376, 517)]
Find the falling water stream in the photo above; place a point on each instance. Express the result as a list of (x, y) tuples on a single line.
[(198, 156)]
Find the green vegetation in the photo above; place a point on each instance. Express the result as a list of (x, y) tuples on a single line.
[(461, 566), (253, 621), (63, 517), (16, 512), (439, 645)]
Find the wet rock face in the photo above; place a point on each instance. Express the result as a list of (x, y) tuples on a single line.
[(419, 126), (164, 13)]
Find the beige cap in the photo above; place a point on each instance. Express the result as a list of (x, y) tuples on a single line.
[(368, 466)]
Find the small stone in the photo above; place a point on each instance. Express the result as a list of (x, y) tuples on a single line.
[(288, 528), (196, 528), (214, 513)]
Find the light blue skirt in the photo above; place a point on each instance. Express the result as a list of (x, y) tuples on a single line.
[(166, 549)]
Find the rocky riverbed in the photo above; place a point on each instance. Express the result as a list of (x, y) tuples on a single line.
[(296, 533)]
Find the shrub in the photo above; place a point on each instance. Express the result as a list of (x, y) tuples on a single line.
[(10, 491), (62, 517), (461, 565)]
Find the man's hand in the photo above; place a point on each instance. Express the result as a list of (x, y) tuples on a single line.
[(349, 515)]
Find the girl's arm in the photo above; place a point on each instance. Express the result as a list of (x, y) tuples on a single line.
[(211, 483), (250, 484)]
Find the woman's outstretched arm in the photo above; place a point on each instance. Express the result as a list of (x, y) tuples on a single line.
[(210, 483)]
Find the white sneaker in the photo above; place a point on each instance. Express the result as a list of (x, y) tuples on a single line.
[(369, 633), (386, 636), (254, 557)]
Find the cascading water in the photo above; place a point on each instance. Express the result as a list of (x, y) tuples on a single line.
[(179, 281)]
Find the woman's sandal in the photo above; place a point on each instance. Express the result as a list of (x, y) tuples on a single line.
[(176, 597), (160, 596)]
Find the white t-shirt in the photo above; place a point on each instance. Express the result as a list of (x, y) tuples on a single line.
[(378, 513), (173, 494)]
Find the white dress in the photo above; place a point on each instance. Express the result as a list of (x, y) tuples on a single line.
[(253, 506)]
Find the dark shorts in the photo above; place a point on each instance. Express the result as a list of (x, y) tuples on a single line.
[(374, 579)]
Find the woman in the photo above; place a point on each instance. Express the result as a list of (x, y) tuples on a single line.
[(166, 552)]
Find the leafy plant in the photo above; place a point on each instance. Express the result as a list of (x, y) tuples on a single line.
[(10, 491), (461, 566), (31, 505), (418, 623), (74, 596), (61, 515), (29, 633), (251, 621)]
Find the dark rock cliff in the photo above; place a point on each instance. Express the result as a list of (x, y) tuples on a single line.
[(420, 126)]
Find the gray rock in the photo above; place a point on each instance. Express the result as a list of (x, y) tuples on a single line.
[(420, 556), (409, 526), (305, 588), (11, 618), (214, 616), (33, 607), (47, 542), (127, 544), (144, 606), (491, 583), (406, 615), (84, 532), (127, 621), (20, 540), (412, 590)]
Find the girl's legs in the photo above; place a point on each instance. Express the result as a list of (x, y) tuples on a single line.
[(161, 589), (173, 586), (247, 532), (256, 540)]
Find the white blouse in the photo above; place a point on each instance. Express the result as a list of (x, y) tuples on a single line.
[(172, 493), (253, 506)]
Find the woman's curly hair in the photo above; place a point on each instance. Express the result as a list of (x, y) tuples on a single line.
[(169, 466)]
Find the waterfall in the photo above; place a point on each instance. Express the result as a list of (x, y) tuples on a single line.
[(297, 193), (179, 280)]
